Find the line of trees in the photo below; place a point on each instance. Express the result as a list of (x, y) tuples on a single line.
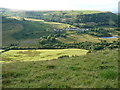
[(52, 43)]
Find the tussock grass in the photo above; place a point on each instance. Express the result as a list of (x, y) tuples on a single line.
[(75, 72)]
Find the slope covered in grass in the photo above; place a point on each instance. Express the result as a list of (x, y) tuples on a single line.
[(73, 17), (94, 70), (26, 32)]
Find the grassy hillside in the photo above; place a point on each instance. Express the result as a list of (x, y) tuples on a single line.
[(59, 49), (77, 18), (94, 70), (24, 28), (45, 12), (26, 32)]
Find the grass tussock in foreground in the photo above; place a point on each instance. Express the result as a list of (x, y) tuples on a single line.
[(94, 70)]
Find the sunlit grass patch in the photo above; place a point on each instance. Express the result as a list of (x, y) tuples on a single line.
[(79, 38), (1, 50), (52, 23), (36, 55), (30, 19)]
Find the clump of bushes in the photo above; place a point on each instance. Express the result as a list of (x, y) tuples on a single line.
[(63, 56)]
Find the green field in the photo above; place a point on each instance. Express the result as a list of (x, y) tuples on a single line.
[(37, 55), (83, 38), (94, 70)]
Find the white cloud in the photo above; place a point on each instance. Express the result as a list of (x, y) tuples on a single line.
[(60, 4)]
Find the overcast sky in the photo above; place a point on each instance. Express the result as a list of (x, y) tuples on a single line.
[(103, 5)]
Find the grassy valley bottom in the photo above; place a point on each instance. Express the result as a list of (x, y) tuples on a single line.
[(98, 69)]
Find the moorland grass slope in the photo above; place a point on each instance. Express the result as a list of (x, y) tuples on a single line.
[(94, 70)]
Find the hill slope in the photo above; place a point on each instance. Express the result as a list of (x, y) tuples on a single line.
[(41, 29), (89, 71), (24, 32), (77, 18)]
